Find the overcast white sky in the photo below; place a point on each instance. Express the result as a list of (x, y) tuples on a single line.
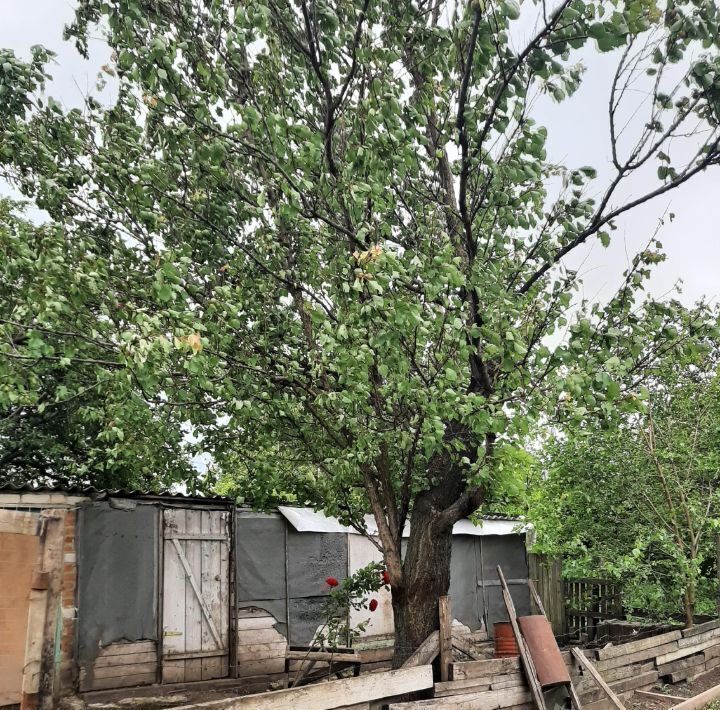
[(577, 136)]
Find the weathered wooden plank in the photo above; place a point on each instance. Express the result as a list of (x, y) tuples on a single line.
[(643, 655), (126, 681), (324, 656), (644, 680), (508, 682), (590, 668), (711, 652), (193, 609), (682, 664), (210, 584), (460, 687), (131, 669), (224, 528), (527, 663), (487, 700), (253, 637), (701, 628), (445, 637), (486, 668), (712, 663), (124, 661), (658, 696), (261, 666), (699, 638), (634, 646), (622, 672), (682, 652), (123, 648), (173, 599), (699, 701), (336, 693), (258, 650), (463, 645), (426, 652)]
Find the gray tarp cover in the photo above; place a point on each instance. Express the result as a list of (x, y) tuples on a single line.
[(260, 564), (260, 570), (117, 556)]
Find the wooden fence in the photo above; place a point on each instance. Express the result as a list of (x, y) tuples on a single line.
[(546, 572), (589, 601), (575, 605)]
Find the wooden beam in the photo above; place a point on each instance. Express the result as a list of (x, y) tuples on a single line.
[(324, 656), (699, 701), (333, 694), (658, 696), (445, 637), (593, 672), (462, 645), (536, 597), (38, 676), (527, 662), (426, 652)]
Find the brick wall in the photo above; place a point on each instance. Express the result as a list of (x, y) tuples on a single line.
[(66, 680)]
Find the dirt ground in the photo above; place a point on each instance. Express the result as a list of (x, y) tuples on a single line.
[(680, 690)]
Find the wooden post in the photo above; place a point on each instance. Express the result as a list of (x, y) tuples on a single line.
[(527, 662), (593, 672), (38, 670), (536, 597), (445, 637)]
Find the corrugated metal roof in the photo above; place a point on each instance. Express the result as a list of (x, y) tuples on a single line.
[(301, 517), (104, 493), (309, 520)]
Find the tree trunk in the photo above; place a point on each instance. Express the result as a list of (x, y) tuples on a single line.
[(426, 577), (689, 603)]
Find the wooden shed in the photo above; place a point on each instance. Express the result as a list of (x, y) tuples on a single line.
[(143, 589)]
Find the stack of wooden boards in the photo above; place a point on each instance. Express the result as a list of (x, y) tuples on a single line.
[(500, 683), (672, 657)]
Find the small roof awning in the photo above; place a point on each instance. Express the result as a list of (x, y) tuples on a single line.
[(309, 520)]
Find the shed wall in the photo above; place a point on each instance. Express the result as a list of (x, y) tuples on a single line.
[(117, 577)]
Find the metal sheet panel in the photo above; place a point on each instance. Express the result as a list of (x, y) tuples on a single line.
[(508, 552), (549, 664), (466, 597), (117, 576)]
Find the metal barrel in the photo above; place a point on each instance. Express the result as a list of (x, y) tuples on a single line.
[(505, 643)]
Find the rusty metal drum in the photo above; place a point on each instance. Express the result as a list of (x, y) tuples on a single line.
[(505, 643), (538, 636)]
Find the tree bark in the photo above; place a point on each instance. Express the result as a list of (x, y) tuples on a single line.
[(426, 577), (415, 604)]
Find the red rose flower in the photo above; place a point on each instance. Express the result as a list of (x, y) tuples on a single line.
[(331, 582), (385, 577), (373, 604)]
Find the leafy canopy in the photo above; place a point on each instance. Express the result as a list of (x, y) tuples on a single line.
[(329, 229)]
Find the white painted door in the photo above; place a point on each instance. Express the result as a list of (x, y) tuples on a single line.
[(195, 594)]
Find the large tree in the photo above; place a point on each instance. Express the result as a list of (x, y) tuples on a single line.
[(327, 231)]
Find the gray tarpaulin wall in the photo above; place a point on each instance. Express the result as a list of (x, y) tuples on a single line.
[(117, 573), (284, 571)]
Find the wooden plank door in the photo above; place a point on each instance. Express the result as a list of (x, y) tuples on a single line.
[(195, 615)]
